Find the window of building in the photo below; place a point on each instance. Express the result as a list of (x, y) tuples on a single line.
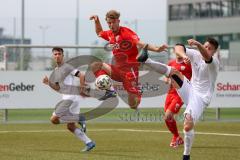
[(236, 36), (205, 10), (173, 12), (216, 9), (196, 10), (236, 7), (223, 8), (180, 12)]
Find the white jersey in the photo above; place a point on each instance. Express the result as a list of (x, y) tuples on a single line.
[(204, 74), (68, 88), (70, 104)]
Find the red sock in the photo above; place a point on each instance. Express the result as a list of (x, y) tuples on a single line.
[(172, 126), (99, 73)]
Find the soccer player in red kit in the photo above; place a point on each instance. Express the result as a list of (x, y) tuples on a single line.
[(124, 43), (173, 101)]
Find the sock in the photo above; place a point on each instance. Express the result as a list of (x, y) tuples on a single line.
[(172, 127), (99, 73), (188, 141), (159, 67), (186, 157), (82, 136)]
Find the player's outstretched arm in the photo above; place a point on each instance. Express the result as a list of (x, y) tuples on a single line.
[(83, 85), (151, 47), (98, 26), (201, 48), (81, 79), (56, 86), (180, 51)]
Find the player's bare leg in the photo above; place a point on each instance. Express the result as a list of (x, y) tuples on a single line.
[(133, 100), (82, 136), (100, 68), (172, 126), (97, 66), (71, 127), (177, 81), (188, 136), (55, 119)]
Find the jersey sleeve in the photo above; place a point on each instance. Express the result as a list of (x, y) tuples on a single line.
[(191, 53), (170, 63), (213, 69), (75, 72), (134, 37), (104, 35), (214, 65)]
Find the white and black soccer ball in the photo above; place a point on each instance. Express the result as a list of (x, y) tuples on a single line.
[(103, 82)]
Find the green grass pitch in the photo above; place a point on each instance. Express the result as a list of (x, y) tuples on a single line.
[(117, 141)]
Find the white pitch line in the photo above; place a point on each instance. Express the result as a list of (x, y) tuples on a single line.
[(219, 134), (156, 131), (120, 130), (33, 131)]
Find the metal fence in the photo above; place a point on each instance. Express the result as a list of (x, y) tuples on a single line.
[(38, 57)]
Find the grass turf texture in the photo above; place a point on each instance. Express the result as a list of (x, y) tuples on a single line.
[(30, 115), (116, 141)]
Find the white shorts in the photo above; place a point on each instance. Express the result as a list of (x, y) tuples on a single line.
[(68, 106), (194, 103)]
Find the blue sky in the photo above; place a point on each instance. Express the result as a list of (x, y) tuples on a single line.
[(59, 18)]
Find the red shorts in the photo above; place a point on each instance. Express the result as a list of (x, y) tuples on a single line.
[(128, 76), (173, 103)]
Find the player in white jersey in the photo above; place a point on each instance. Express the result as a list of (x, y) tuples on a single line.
[(68, 110), (197, 93)]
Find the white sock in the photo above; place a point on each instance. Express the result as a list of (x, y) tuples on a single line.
[(188, 141), (158, 67), (82, 136)]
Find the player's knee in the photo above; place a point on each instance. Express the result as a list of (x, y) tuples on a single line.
[(71, 127), (168, 116), (96, 66), (54, 120), (188, 123), (133, 103), (187, 128), (133, 106)]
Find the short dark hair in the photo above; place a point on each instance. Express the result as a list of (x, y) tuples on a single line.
[(112, 14), (180, 44), (59, 49), (213, 42)]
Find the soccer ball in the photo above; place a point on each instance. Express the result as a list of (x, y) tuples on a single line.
[(103, 82)]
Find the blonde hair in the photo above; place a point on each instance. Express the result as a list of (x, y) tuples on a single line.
[(112, 14)]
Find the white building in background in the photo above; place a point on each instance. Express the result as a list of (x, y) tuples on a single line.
[(200, 19)]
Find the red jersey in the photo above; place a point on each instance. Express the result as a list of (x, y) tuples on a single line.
[(184, 68), (124, 45)]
